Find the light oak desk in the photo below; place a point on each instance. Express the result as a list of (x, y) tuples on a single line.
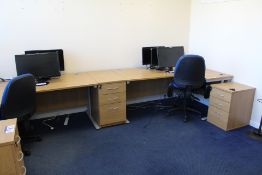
[(77, 92)]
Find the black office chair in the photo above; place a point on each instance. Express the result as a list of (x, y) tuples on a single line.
[(189, 75), (19, 101)]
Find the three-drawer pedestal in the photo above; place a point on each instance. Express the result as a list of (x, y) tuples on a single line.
[(230, 105), (11, 155), (109, 103)]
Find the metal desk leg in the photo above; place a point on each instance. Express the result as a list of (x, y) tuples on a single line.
[(89, 112)]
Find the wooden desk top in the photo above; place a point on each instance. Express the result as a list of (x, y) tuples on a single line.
[(6, 138), (106, 76), (2, 88), (213, 76), (135, 74), (68, 81), (92, 78), (232, 87)]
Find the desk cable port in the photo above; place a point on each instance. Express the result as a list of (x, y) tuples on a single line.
[(232, 89)]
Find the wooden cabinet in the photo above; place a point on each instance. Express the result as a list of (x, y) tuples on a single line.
[(11, 155), (230, 105), (109, 103)]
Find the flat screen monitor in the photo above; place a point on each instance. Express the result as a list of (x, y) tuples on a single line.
[(42, 66), (60, 55), (168, 56), (149, 56)]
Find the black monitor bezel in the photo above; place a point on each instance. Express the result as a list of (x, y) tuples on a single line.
[(60, 55), (33, 58), (162, 64)]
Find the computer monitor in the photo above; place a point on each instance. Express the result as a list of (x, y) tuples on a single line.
[(60, 55), (168, 56), (43, 66), (149, 55)]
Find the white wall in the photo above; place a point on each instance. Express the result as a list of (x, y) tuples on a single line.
[(228, 33), (95, 34)]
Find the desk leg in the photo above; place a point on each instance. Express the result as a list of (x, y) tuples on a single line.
[(89, 102), (89, 112)]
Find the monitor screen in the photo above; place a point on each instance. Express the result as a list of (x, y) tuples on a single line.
[(44, 65), (149, 56), (168, 56), (59, 51)]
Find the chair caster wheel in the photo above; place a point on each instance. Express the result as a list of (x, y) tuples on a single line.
[(203, 118)]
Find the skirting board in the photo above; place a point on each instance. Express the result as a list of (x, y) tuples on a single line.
[(254, 124)]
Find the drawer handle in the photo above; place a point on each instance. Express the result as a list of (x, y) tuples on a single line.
[(18, 140), (113, 88), (114, 108), (221, 95), (113, 98), (24, 170), (22, 156)]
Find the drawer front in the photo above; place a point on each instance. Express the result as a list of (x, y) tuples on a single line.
[(112, 98), (19, 155), (226, 96), (220, 104), (7, 160), (113, 113), (110, 88), (217, 117)]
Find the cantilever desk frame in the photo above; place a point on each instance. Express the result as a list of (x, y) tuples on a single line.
[(71, 93)]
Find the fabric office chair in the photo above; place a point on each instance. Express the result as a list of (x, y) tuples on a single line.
[(19, 101), (189, 75)]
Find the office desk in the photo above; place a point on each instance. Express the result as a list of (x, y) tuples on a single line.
[(71, 92)]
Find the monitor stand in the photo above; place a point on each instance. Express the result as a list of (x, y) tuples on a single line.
[(170, 70), (151, 67), (166, 69)]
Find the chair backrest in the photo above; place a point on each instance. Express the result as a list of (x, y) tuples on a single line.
[(19, 97), (190, 71)]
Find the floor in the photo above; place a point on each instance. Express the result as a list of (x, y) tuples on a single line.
[(152, 144)]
